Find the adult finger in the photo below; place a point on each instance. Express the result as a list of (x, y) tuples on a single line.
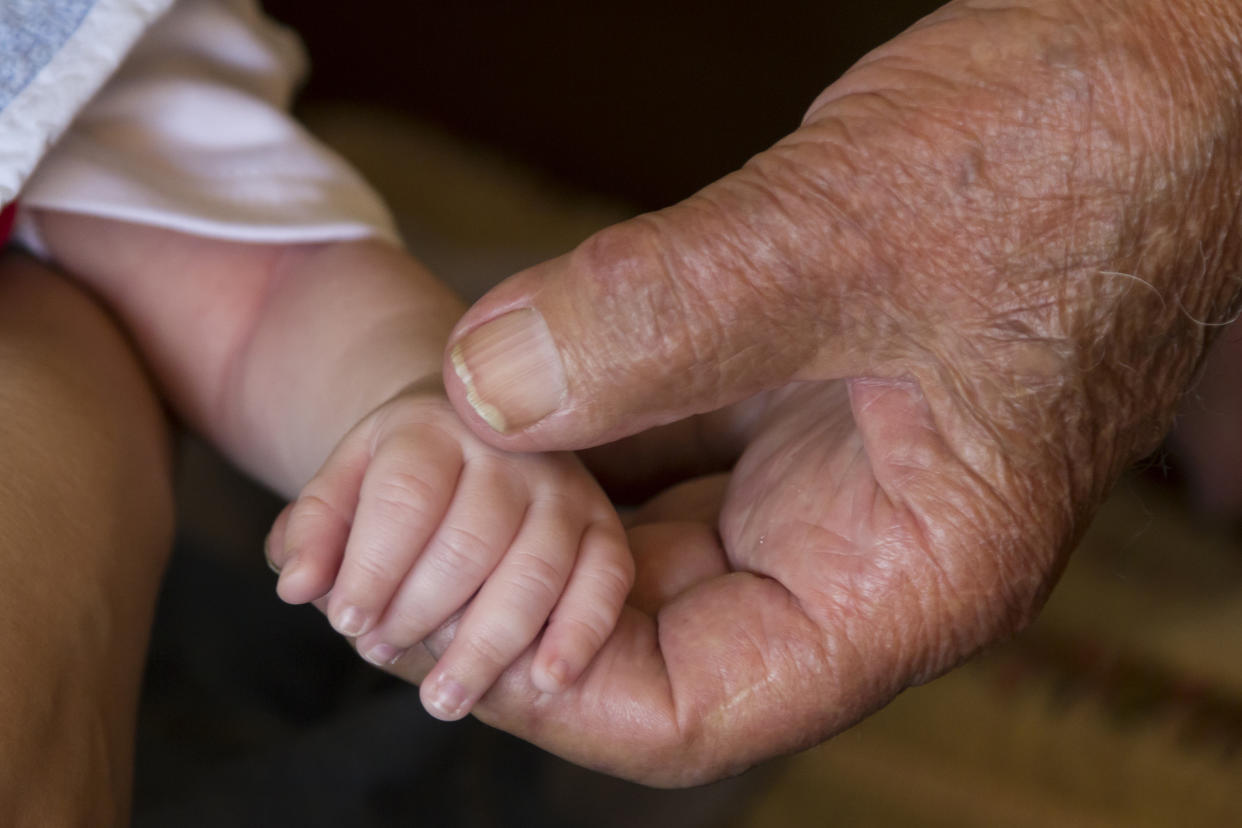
[(667, 315), (937, 215)]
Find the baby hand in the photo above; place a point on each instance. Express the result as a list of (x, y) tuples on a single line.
[(412, 518)]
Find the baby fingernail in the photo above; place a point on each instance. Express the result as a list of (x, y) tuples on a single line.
[(267, 555), (382, 655), (288, 577), (446, 699), (512, 370), (558, 671), (350, 621)]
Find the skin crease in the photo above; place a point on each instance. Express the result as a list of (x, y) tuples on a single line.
[(949, 311)]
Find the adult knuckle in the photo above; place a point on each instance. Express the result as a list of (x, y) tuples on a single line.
[(653, 273)]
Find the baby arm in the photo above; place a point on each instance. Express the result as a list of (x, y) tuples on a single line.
[(276, 352)]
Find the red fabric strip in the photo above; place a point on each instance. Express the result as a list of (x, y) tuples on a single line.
[(6, 221)]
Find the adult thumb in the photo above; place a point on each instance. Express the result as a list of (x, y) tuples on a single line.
[(741, 288)]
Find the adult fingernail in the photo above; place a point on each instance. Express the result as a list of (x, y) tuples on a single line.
[(446, 699), (512, 370)]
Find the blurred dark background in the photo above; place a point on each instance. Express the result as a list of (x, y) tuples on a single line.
[(646, 101)]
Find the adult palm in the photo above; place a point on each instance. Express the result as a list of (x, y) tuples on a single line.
[(848, 554)]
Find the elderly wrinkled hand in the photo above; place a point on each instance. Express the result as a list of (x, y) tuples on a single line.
[(938, 321)]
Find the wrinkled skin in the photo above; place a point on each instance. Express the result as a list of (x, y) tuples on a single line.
[(947, 311)]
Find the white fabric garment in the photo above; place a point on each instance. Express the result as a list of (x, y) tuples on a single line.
[(54, 55), (192, 134)]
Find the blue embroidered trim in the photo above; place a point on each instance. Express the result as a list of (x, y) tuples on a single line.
[(31, 33)]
